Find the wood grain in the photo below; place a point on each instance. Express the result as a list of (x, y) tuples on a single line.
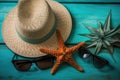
[(81, 13), (70, 0), (8, 71)]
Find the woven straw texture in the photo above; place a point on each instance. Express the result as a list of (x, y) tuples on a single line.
[(20, 47)]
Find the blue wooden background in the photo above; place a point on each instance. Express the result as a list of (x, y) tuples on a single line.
[(82, 11)]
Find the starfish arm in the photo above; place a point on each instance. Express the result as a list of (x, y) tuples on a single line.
[(48, 51), (73, 63), (76, 47), (57, 64), (60, 39)]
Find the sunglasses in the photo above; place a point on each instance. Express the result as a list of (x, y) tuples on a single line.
[(98, 61), (43, 63)]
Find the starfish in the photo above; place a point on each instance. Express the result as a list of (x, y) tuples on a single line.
[(63, 53)]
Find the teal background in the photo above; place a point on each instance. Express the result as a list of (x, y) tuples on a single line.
[(82, 11)]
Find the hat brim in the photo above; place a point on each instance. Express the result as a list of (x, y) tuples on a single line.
[(22, 48)]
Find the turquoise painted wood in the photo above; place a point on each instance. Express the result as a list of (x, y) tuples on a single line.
[(88, 0), (77, 0), (65, 72), (81, 13), (4, 9)]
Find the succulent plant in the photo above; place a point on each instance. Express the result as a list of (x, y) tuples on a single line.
[(116, 44), (102, 37)]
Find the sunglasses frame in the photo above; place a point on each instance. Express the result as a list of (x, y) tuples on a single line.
[(45, 58), (101, 60)]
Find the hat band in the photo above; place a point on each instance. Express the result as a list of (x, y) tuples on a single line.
[(36, 41)]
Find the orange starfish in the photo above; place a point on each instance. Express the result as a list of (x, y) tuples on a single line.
[(63, 54)]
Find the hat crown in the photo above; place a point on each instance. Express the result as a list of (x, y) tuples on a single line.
[(35, 19), (15, 23)]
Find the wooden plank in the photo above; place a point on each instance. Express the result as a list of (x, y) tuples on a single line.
[(64, 72), (2, 16), (90, 13), (1, 39), (4, 9), (9, 0), (104, 1), (81, 13)]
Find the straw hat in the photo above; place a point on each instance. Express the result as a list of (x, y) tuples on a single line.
[(32, 25)]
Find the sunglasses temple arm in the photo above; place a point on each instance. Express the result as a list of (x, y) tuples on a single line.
[(15, 56)]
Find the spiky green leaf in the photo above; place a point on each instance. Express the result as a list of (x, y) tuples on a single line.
[(108, 46), (113, 32), (91, 29), (100, 27), (107, 23), (92, 44), (89, 35), (113, 40), (110, 49), (98, 47), (88, 42), (103, 36)]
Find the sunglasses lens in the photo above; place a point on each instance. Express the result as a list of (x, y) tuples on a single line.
[(22, 65), (99, 62), (84, 53), (45, 63)]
